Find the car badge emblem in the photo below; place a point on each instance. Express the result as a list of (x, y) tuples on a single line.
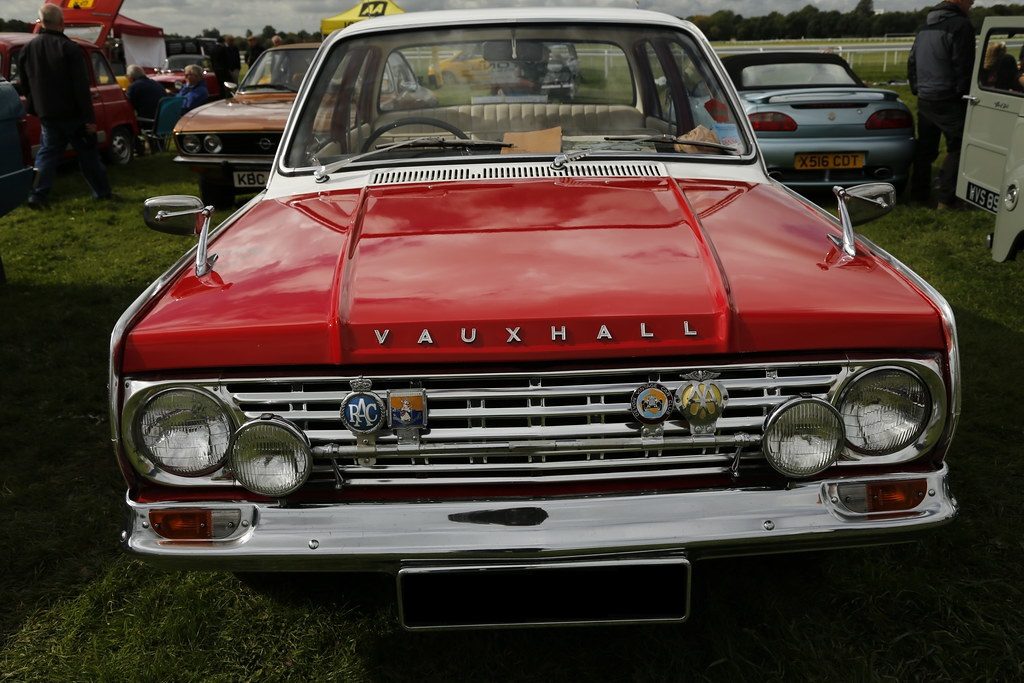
[(265, 144), (650, 404), (407, 409), (362, 411), (701, 401)]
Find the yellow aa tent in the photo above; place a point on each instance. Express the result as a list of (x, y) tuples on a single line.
[(364, 10)]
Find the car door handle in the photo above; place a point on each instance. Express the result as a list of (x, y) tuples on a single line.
[(96, 96), (971, 99)]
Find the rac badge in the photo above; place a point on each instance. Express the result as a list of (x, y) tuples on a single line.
[(362, 411), (650, 404), (701, 401)]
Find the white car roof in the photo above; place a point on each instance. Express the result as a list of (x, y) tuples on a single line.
[(510, 15)]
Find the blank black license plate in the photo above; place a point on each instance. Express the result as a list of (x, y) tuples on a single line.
[(980, 197), (581, 592)]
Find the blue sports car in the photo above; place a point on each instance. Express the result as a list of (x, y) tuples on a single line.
[(818, 124)]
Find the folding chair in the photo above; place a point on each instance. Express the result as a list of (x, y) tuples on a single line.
[(168, 111)]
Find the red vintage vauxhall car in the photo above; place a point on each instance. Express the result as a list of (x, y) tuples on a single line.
[(542, 347)]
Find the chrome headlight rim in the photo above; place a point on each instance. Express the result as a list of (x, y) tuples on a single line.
[(212, 143), (780, 411), (858, 453), (288, 426), (191, 143), (140, 445)]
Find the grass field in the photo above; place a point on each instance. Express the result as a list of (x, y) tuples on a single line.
[(75, 608)]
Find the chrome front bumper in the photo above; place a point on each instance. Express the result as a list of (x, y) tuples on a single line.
[(386, 536)]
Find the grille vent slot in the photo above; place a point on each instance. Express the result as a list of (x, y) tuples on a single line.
[(591, 169)]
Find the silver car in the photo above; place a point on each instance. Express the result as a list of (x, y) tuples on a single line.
[(818, 124)]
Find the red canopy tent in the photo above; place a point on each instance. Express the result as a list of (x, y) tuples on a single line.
[(98, 20)]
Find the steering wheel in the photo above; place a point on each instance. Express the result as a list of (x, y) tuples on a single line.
[(412, 121)]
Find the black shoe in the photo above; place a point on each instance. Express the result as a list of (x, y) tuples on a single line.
[(36, 202)]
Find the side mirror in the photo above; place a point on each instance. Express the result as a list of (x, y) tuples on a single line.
[(179, 214), (174, 214), (231, 86), (870, 201), (861, 204)]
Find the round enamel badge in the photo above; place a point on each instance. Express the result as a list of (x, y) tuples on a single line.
[(363, 412), (650, 403)]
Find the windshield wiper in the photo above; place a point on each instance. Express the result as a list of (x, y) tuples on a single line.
[(324, 172), (614, 140)]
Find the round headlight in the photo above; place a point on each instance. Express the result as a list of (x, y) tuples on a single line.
[(191, 144), (184, 431), (212, 144), (270, 456), (884, 410), (803, 437)]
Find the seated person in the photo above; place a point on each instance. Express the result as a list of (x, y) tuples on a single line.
[(999, 70), (194, 91), (143, 92)]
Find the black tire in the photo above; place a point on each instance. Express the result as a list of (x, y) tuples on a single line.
[(122, 147), (216, 195)]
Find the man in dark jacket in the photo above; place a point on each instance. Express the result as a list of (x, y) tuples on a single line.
[(940, 67), (220, 60), (144, 93), (55, 80), (255, 50)]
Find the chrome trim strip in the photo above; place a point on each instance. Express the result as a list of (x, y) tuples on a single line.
[(702, 524), (263, 162)]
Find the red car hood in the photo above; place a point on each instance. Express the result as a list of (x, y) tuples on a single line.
[(528, 270)]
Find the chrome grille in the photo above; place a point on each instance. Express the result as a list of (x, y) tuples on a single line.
[(551, 426)]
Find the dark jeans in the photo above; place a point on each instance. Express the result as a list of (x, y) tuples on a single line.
[(935, 119), (55, 138)]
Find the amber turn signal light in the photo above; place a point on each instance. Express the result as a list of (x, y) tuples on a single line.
[(883, 496), (194, 524)]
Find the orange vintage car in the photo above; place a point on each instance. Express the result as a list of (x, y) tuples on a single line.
[(231, 143)]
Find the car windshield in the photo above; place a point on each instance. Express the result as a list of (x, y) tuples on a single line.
[(544, 89), (179, 62), (278, 70)]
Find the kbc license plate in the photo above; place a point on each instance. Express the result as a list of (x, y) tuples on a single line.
[(250, 178), (816, 162)]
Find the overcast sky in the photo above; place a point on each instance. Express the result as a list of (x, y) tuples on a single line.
[(189, 17)]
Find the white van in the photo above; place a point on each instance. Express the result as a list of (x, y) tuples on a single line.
[(992, 156)]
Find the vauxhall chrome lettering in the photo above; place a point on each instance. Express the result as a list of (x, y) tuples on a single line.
[(559, 333)]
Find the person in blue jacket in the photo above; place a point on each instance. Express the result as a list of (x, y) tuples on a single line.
[(194, 91)]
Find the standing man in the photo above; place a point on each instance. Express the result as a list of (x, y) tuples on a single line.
[(221, 63), (55, 80), (939, 69), (234, 59), (255, 50)]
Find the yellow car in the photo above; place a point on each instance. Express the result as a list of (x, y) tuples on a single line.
[(467, 66)]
